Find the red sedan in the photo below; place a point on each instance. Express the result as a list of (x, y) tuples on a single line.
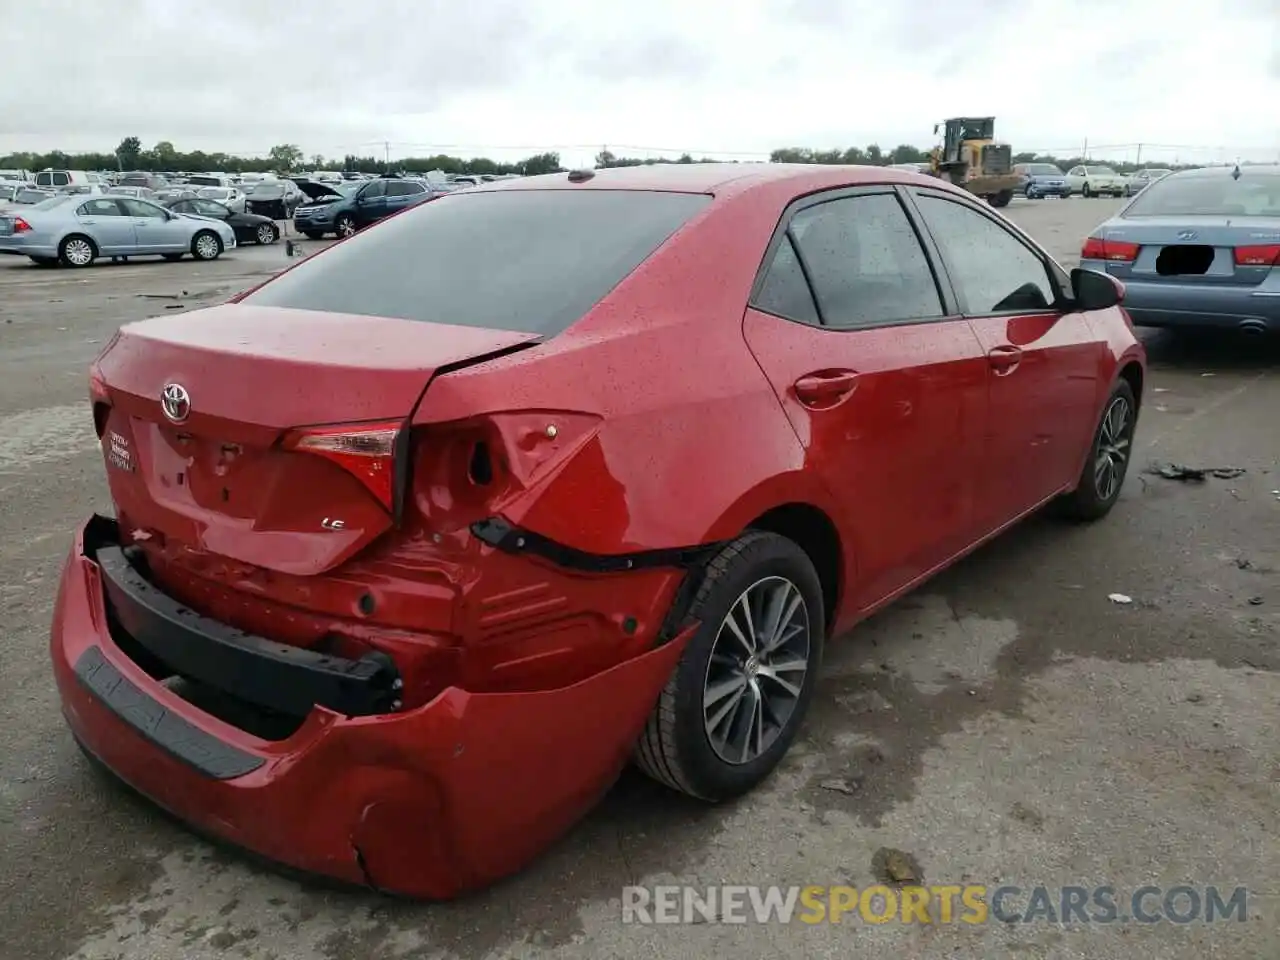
[(418, 543)]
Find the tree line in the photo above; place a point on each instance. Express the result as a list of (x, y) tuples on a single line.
[(130, 155)]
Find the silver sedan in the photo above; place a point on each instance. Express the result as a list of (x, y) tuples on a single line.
[(75, 231)]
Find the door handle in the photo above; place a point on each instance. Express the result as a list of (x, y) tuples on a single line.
[(1004, 360), (825, 387)]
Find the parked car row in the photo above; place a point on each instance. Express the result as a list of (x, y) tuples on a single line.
[(1088, 180)]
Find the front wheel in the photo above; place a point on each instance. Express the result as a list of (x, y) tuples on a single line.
[(1100, 482), (739, 694), (1002, 198), (206, 245), (345, 225), (1086, 191), (267, 233)]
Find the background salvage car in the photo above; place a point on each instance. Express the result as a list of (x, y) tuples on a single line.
[(75, 231), (248, 227)]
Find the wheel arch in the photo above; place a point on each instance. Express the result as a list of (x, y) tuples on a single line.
[(814, 532), (1133, 374)]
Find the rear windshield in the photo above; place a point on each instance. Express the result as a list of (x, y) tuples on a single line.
[(1253, 195), (1044, 169), (532, 261)]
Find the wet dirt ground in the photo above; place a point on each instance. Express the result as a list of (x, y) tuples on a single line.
[(1007, 724)]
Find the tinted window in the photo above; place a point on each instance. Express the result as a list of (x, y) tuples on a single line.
[(139, 208), (61, 179), (1210, 195), (99, 208), (374, 189), (992, 270), (400, 188), (865, 262), (528, 260), (207, 208), (785, 292)]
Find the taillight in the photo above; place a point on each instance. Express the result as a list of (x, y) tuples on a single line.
[(1267, 255), (366, 451), (20, 225), (101, 401), (1096, 248)]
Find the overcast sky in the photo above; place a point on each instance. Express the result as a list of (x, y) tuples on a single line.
[(506, 78)]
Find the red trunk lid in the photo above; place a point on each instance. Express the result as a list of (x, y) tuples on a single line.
[(220, 480)]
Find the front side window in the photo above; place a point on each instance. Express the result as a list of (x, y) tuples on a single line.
[(865, 262), (140, 208), (992, 270)]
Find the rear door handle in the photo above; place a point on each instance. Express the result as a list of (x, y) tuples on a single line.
[(1005, 359), (825, 388)]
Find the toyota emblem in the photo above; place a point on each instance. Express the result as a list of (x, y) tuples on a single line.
[(175, 402)]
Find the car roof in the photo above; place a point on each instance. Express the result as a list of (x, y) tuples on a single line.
[(1266, 169), (717, 178)]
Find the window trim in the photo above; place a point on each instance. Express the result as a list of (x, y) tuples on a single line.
[(782, 231), (1053, 271)]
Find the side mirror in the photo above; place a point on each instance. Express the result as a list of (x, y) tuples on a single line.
[(1092, 290)]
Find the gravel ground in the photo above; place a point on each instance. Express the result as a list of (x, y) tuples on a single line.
[(1006, 724)]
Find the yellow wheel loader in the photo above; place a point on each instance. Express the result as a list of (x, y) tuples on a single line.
[(970, 157)]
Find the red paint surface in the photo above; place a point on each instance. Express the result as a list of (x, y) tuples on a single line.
[(681, 416)]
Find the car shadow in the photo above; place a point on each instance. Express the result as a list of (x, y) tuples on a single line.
[(1225, 350)]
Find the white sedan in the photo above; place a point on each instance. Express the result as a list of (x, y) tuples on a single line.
[(229, 197), (1091, 180)]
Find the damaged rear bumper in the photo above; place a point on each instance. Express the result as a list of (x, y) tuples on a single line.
[(429, 802)]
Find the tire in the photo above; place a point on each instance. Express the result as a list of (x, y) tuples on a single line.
[(1086, 192), (77, 250), (312, 234), (676, 748), (1092, 499), (174, 257), (1001, 199), (1029, 192), (203, 249), (345, 225), (266, 233)]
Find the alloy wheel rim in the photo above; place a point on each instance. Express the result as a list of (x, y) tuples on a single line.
[(1113, 449), (757, 670), (79, 252), (266, 233), (207, 247), (346, 228)]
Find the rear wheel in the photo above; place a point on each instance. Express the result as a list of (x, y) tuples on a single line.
[(1100, 482), (1086, 191), (1002, 198), (77, 251), (206, 245), (738, 696), (345, 225)]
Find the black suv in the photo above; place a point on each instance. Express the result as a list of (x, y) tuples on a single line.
[(344, 208)]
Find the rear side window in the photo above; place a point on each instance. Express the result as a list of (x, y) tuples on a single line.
[(865, 261), (532, 261), (785, 292)]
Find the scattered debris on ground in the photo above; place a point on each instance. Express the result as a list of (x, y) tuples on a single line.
[(1119, 598), (895, 866), (1178, 471)]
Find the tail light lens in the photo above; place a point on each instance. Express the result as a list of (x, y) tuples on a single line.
[(1096, 248), (101, 401), (20, 225), (367, 452), (1260, 256)]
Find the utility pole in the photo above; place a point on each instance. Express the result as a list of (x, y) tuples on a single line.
[(386, 154), (1138, 162), (1085, 154)]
